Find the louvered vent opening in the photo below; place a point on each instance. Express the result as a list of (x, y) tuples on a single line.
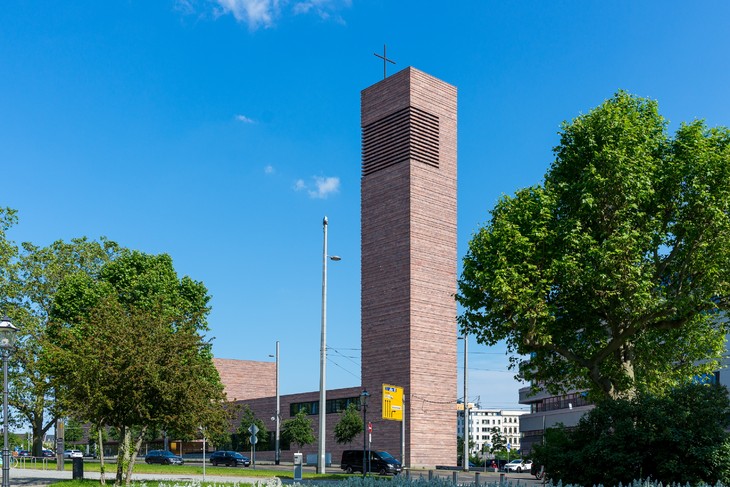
[(409, 133)]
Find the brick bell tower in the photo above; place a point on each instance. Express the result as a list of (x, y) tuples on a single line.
[(408, 206)]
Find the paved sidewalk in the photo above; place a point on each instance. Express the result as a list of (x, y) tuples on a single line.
[(42, 478)]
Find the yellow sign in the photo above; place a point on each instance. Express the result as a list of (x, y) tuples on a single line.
[(392, 402)]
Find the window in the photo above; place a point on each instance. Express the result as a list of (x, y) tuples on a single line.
[(333, 406), (576, 399), (309, 408)]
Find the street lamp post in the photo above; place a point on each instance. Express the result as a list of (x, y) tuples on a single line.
[(7, 339), (277, 418), (323, 356), (364, 405), (466, 406)]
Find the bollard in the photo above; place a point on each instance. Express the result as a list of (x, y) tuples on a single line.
[(430, 475), (501, 479), (476, 479), (454, 478), (408, 473)]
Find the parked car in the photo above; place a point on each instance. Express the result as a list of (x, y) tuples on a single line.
[(518, 466), (380, 461), (164, 457), (72, 454), (229, 458), (24, 453), (48, 453)]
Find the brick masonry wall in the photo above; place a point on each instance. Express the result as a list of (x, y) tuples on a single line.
[(409, 277), (246, 379)]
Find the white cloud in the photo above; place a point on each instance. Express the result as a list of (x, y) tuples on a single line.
[(264, 13), (244, 119), (320, 188), (325, 187), (269, 169), (185, 7), (256, 13), (322, 8)]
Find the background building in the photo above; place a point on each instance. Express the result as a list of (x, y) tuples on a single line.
[(547, 411), (482, 423), (337, 400), (246, 379)]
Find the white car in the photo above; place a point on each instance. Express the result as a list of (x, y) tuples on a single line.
[(518, 466), (72, 454)]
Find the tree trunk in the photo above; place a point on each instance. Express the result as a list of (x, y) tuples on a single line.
[(133, 454), (38, 433), (100, 450), (123, 456), (627, 365)]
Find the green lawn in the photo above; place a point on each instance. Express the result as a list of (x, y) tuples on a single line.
[(141, 467)]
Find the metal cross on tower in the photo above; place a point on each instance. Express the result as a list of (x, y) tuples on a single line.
[(385, 59)]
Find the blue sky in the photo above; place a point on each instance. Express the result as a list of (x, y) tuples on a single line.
[(222, 131)]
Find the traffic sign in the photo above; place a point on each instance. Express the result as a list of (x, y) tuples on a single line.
[(509, 447), (253, 429), (254, 439), (370, 427), (392, 402)]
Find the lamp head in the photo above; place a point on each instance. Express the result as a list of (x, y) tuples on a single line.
[(364, 397), (7, 333)]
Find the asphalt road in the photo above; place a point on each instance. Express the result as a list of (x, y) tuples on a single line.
[(42, 478)]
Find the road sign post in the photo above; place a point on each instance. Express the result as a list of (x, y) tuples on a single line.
[(253, 429), (392, 402), (394, 410)]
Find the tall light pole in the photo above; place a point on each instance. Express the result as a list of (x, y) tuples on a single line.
[(277, 453), (364, 405), (466, 405), (7, 339), (323, 356)]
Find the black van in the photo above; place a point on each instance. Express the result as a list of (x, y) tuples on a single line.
[(380, 461)]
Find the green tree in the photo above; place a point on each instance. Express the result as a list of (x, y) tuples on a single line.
[(128, 370), (499, 443), (8, 255), (73, 432), (126, 350), (460, 451), (223, 439), (262, 436), (349, 426), (610, 275), (679, 438), (40, 271), (298, 430)]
